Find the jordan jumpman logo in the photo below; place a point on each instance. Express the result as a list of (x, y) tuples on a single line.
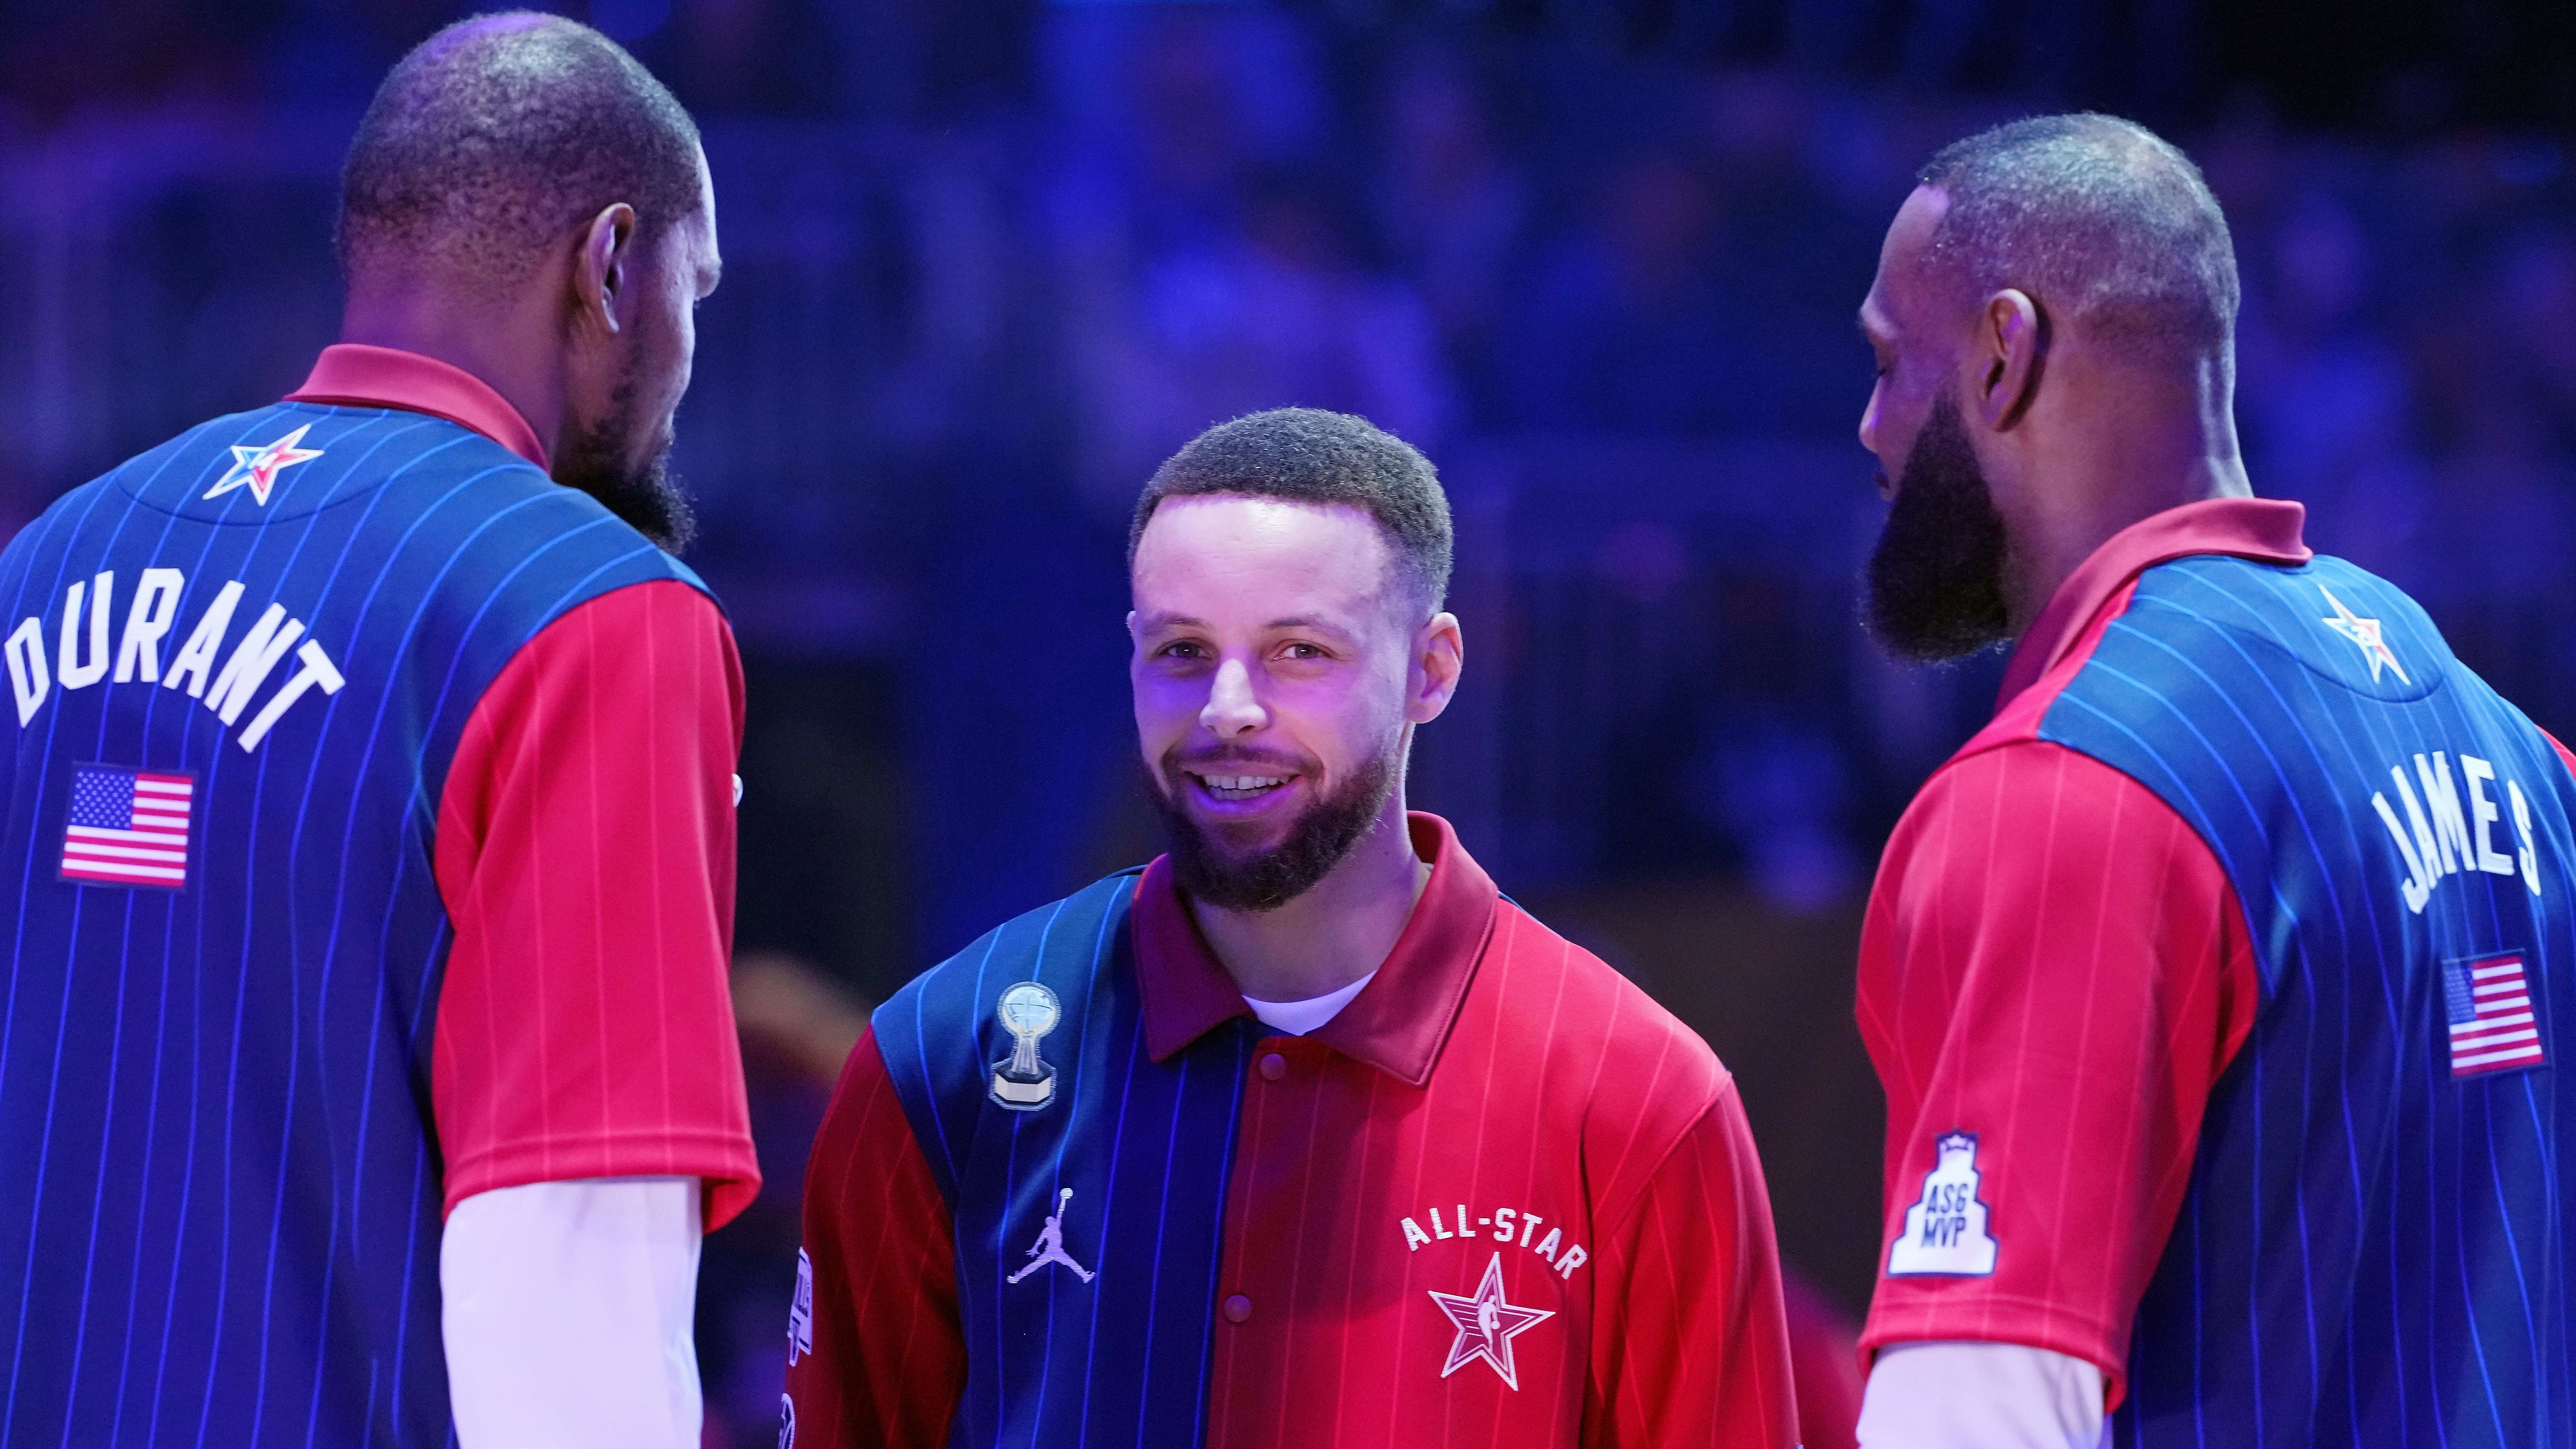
[(1049, 1248)]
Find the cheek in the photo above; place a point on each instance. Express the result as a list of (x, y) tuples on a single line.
[(678, 350), (1896, 416), (1351, 726), (1167, 709)]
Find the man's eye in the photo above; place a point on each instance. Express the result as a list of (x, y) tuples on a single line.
[(1179, 649), (1302, 651)]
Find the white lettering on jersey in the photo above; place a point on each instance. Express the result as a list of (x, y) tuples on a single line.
[(156, 607), (197, 656), (1503, 1225), (317, 669), (29, 680), (2478, 772), (84, 654), (2528, 857), (75, 672), (1946, 1231), (2438, 839), (800, 1313), (256, 654)]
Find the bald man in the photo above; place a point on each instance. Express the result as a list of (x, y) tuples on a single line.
[(2214, 984), (367, 1074)]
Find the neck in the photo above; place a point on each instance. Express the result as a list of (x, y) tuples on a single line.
[(513, 345), (1337, 932), (2147, 444)]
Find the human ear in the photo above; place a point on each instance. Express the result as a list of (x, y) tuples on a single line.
[(601, 271), (1439, 653), (2010, 351)]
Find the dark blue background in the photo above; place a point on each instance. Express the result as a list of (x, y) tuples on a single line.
[(989, 260)]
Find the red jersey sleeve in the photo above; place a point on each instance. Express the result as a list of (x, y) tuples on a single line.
[(878, 1358), (2054, 971), (1690, 1342), (585, 852)]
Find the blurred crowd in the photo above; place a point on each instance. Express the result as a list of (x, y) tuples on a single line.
[(989, 261)]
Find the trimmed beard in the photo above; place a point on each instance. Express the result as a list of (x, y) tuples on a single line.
[(1319, 839), (1935, 584), (647, 496)]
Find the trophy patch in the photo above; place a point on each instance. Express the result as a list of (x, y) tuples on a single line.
[(1023, 1081)]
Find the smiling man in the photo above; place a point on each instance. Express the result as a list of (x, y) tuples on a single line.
[(1301, 1135), (2216, 984)]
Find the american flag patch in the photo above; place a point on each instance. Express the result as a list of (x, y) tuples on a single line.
[(128, 827), (2492, 1025)]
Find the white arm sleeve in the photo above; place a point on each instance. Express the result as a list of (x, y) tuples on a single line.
[(567, 1314), (1980, 1396)]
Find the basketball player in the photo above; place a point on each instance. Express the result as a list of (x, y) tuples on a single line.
[(2215, 985), (1302, 1135), (367, 1074)]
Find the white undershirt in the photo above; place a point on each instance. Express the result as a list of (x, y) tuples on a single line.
[(1296, 1018), (1980, 1396), (567, 1315)]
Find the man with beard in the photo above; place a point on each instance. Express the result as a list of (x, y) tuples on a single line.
[(1300, 1135), (2213, 984), (369, 1073)]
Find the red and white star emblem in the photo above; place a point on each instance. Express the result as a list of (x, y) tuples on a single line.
[(257, 468), (1487, 1324), (2364, 632)]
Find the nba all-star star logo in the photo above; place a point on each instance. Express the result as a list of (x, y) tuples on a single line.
[(1487, 1324), (2364, 632), (257, 468)]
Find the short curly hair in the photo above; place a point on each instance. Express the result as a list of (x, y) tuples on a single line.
[(2095, 217), (498, 137), (1308, 455)]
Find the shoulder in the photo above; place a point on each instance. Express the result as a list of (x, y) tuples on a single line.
[(2218, 631), (1063, 945), (2010, 810), (1637, 1075)]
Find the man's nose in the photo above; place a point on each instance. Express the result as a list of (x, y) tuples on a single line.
[(1231, 708)]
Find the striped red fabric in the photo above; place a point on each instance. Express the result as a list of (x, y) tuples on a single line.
[(877, 1240), (2053, 962), (586, 855), (2054, 970), (1502, 1200)]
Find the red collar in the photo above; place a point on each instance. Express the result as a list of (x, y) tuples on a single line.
[(1397, 1023), (354, 374), (2261, 528)]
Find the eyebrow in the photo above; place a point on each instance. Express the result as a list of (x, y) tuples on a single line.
[(1151, 622), (1308, 621)]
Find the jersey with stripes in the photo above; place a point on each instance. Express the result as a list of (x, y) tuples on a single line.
[(1070, 1192), (240, 668), (2293, 1045)]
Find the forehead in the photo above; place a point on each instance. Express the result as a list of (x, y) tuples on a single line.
[(1215, 554), (1898, 293), (693, 250)]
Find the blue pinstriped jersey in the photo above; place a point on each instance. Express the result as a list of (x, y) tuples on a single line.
[(2373, 1249), (1149, 1146), (222, 1221)]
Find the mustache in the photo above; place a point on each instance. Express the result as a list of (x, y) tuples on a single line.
[(1175, 760)]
